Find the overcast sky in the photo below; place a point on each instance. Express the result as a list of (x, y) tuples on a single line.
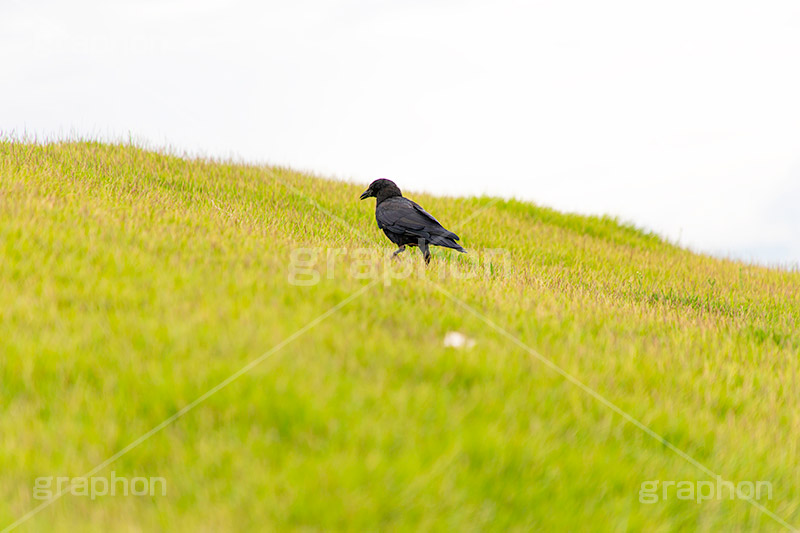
[(682, 117)]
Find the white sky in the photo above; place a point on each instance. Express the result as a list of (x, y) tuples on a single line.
[(680, 116)]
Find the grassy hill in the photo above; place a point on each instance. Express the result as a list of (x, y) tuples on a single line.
[(132, 283)]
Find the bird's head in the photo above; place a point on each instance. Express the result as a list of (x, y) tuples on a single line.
[(381, 189)]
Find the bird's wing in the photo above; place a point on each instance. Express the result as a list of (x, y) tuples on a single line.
[(425, 213), (401, 215), (437, 230)]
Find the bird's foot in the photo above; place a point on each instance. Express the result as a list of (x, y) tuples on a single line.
[(401, 249)]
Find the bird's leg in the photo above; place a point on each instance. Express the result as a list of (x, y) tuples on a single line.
[(401, 249), (423, 247)]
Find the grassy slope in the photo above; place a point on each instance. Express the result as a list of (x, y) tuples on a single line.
[(132, 282)]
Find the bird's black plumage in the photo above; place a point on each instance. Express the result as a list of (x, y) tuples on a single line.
[(405, 222)]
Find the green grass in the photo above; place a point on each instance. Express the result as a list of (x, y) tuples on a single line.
[(131, 282)]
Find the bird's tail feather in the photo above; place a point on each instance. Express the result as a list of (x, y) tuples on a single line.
[(447, 242)]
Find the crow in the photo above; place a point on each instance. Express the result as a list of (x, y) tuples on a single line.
[(405, 222)]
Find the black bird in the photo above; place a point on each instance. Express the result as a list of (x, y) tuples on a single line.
[(405, 222)]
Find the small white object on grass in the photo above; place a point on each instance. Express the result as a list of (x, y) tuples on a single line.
[(454, 339)]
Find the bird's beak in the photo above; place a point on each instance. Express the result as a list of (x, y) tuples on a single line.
[(366, 194)]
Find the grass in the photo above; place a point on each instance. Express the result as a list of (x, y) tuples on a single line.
[(132, 282)]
